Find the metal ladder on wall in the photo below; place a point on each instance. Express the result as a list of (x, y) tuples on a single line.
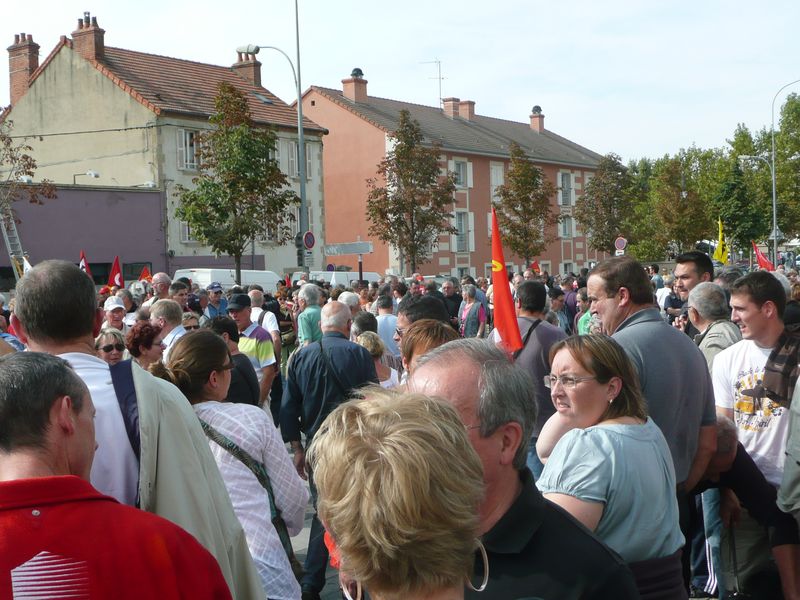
[(13, 243)]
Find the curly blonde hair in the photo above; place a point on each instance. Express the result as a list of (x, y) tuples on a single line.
[(399, 490)]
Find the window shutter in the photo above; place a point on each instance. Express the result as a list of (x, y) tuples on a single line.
[(489, 225), (308, 161), (471, 231), (181, 148), (453, 236), (469, 175), (292, 159), (559, 183)]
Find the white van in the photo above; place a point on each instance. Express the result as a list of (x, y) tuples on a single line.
[(334, 278), (226, 277)]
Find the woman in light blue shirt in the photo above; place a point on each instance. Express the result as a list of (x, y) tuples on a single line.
[(609, 465)]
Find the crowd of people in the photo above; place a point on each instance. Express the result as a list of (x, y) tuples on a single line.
[(642, 442)]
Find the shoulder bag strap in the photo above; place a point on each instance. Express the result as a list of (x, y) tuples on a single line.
[(122, 378), (329, 368), (527, 337)]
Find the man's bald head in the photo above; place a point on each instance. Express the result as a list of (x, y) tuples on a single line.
[(335, 317)]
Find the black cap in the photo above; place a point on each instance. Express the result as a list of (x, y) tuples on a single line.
[(239, 301)]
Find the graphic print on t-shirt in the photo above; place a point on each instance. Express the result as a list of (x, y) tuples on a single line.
[(49, 575), (752, 410)]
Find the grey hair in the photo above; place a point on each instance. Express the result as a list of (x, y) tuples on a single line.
[(113, 332), (123, 293), (506, 391), (469, 289), (30, 382), (335, 319), (709, 300), (169, 310), (787, 286), (310, 293), (351, 299), (727, 435)]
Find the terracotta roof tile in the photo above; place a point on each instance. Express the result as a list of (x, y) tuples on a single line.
[(483, 135), (177, 86)]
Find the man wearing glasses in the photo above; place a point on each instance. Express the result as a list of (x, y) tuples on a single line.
[(161, 283), (217, 303)]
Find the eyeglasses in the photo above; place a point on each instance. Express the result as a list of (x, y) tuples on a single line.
[(227, 367), (108, 348), (568, 381), (399, 331), (190, 327)]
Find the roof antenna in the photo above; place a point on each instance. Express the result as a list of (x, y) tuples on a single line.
[(438, 64)]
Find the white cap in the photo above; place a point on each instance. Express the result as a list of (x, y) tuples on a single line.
[(112, 303)]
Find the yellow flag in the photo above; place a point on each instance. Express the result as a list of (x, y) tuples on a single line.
[(721, 253)]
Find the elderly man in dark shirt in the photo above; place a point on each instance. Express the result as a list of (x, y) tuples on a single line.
[(319, 378)]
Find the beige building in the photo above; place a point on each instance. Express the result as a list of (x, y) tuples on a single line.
[(131, 119)]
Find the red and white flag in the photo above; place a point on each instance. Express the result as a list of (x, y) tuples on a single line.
[(115, 278), (84, 264), (505, 317)]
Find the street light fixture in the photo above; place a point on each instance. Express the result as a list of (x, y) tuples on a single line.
[(89, 173), (301, 146), (776, 233)]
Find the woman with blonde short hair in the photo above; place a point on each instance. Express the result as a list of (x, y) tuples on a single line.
[(399, 488), (387, 376), (110, 345)]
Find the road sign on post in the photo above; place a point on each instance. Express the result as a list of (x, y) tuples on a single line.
[(309, 240), (349, 248)]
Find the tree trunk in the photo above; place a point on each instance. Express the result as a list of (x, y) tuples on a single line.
[(237, 261)]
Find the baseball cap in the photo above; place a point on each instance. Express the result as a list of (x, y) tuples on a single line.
[(105, 290), (239, 301), (112, 303), (214, 286)]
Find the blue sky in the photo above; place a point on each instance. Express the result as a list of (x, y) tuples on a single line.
[(633, 77)]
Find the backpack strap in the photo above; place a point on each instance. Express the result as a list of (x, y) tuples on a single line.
[(526, 338), (122, 378)]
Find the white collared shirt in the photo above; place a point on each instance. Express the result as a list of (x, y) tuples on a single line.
[(170, 339)]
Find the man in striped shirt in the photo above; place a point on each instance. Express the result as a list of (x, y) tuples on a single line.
[(255, 342)]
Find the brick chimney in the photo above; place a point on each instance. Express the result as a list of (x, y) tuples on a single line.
[(88, 39), (23, 60), (450, 106), (466, 110), (537, 119), (355, 88), (248, 67)]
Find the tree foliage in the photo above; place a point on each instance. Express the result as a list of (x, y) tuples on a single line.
[(743, 219), (240, 192), (17, 169), (524, 213), (411, 209), (606, 203)]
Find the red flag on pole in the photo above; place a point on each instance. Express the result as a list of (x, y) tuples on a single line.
[(84, 264), (763, 261), (535, 267), (115, 278), (505, 318), (145, 275)]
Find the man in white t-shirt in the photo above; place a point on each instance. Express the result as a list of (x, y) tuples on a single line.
[(757, 303)]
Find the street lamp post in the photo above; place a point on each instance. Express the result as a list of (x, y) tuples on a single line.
[(776, 233), (301, 146)]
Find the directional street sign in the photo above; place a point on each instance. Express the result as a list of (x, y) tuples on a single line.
[(349, 248)]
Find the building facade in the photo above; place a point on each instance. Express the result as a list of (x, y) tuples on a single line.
[(474, 147), (132, 120)]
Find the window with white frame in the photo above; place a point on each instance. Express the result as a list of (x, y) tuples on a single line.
[(567, 268), (567, 189), (188, 145), (566, 227), (496, 177), (186, 233), (462, 231), (293, 154), (460, 169)]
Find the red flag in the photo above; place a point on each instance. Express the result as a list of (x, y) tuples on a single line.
[(763, 261), (505, 318), (116, 275), (84, 264), (288, 281), (145, 275), (535, 267)]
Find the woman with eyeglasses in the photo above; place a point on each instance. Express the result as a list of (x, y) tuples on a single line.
[(248, 450), (190, 321), (110, 345), (607, 463), (145, 343)]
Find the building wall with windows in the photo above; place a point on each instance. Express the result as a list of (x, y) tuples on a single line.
[(474, 148)]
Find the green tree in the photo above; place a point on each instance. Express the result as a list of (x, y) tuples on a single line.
[(240, 192), (646, 242), (787, 167), (743, 220), (524, 213), (410, 210), (605, 204)]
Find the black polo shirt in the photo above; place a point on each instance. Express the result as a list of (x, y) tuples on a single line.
[(537, 550)]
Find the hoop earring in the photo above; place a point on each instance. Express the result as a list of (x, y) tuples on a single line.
[(358, 592), (485, 581)]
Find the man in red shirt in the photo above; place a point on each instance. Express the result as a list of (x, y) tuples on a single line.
[(61, 537)]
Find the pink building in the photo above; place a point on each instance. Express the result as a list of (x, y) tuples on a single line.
[(473, 146)]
